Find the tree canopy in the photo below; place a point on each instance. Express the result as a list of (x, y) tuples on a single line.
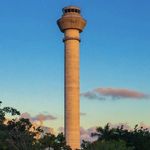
[(136, 139), (21, 134)]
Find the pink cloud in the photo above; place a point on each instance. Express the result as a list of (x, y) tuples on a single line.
[(145, 126), (86, 134), (120, 93), (43, 117), (25, 115), (114, 93), (40, 117)]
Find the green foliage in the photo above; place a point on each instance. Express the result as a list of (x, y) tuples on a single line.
[(20, 134), (16, 134), (7, 110), (138, 139), (108, 145), (56, 142)]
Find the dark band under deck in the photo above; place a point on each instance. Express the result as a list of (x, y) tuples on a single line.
[(71, 38)]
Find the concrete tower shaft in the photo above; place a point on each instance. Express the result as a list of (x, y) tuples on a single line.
[(72, 23)]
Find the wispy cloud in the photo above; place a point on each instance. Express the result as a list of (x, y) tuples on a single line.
[(121, 93), (40, 117), (114, 93), (83, 114), (92, 95), (145, 126), (86, 134)]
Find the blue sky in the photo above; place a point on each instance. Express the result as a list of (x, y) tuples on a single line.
[(115, 52)]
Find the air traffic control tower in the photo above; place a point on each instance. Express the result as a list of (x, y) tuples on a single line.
[(71, 24)]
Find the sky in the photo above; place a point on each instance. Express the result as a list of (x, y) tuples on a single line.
[(114, 60)]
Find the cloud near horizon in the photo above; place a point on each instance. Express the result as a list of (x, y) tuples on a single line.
[(113, 93), (38, 118)]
